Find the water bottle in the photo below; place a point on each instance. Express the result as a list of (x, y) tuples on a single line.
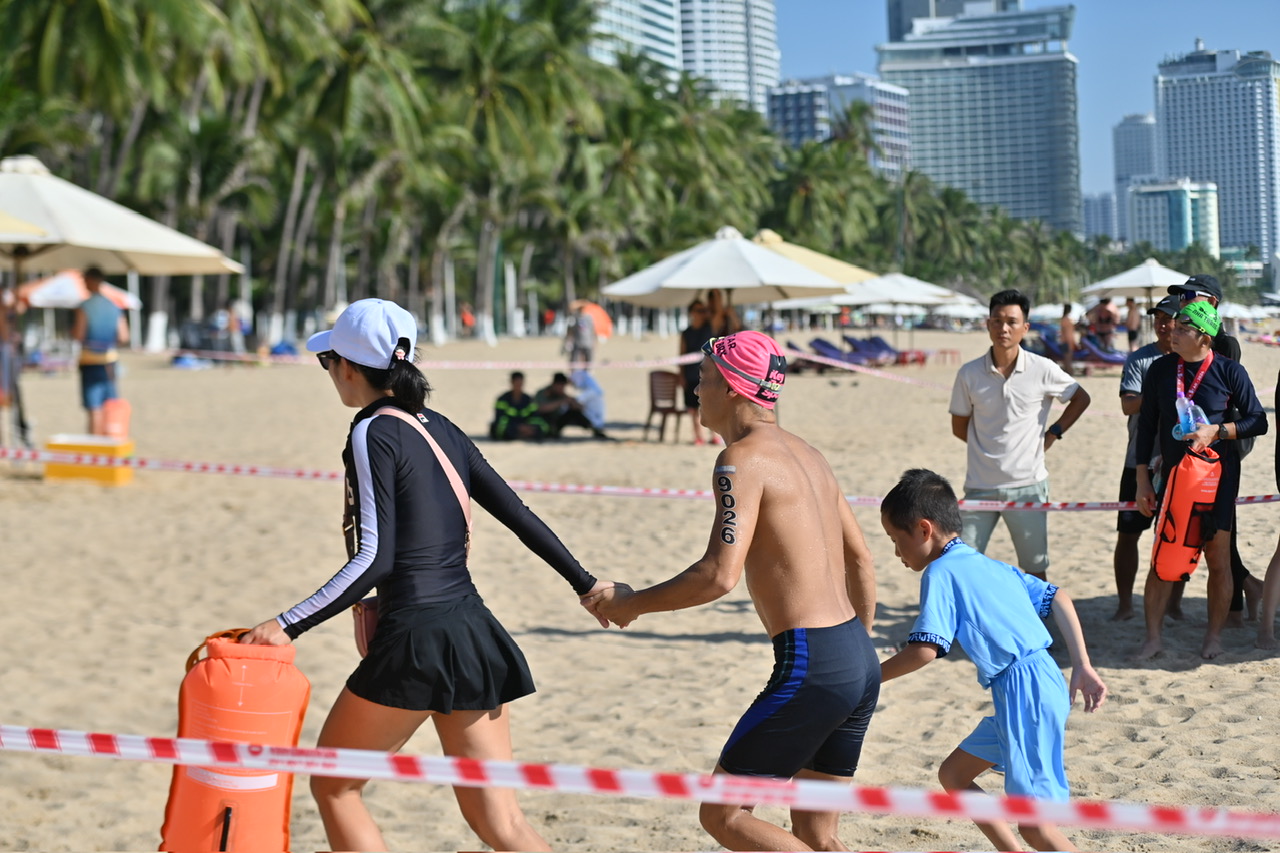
[(1190, 417)]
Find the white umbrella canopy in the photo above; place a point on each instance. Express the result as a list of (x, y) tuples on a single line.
[(83, 229), (13, 226), (1144, 280), (961, 310), (729, 262)]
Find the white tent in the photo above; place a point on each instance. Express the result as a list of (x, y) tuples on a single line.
[(82, 229), (728, 262), (1148, 280)]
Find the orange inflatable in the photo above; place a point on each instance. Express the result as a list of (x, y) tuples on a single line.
[(115, 414), (1188, 501), (247, 694)]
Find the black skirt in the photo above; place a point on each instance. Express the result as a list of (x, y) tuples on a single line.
[(452, 656)]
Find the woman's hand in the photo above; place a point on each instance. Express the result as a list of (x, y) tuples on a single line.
[(268, 633)]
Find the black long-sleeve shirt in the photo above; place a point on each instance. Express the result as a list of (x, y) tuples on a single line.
[(1225, 384), (406, 532)]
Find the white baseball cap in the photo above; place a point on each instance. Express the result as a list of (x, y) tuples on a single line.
[(367, 333)]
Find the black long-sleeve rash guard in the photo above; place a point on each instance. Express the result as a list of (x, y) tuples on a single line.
[(406, 533)]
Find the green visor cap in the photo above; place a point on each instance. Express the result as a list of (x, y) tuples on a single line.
[(1203, 317)]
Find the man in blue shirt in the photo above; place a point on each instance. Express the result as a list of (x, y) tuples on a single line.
[(994, 611), (99, 327)]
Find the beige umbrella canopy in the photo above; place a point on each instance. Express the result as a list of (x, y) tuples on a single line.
[(835, 269), (80, 229), (730, 262)]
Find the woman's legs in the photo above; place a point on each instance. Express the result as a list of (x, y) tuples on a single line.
[(356, 723), (493, 813)]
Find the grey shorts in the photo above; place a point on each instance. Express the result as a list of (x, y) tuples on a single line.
[(1029, 529)]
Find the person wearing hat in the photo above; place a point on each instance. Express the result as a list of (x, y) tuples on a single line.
[(1205, 288), (437, 650), (782, 520), (1214, 383), (1130, 523)]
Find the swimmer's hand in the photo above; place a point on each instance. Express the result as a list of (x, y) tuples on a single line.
[(269, 633), (592, 598), (1088, 682), (611, 604)]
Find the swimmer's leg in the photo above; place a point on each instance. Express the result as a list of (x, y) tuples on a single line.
[(819, 830), (737, 828)]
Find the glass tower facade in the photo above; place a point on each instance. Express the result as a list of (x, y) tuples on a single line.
[(1174, 214), (800, 110), (1133, 148), (647, 27), (733, 44), (993, 108), (1218, 114)]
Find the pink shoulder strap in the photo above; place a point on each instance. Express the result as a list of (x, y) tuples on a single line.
[(455, 480)]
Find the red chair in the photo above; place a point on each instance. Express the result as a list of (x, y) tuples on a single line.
[(664, 400)]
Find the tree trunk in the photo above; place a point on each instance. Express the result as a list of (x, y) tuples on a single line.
[(414, 296), (303, 240), (336, 254), (136, 118), (365, 265), (276, 330), (567, 255), (486, 265)]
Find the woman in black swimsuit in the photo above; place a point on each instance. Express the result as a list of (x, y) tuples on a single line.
[(437, 652)]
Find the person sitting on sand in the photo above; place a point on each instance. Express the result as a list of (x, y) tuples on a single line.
[(560, 409), (1216, 384), (995, 611), (515, 415), (781, 519)]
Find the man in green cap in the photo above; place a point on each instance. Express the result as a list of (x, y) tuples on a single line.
[(1214, 383)]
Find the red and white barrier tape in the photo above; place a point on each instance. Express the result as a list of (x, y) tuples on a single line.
[(808, 795), (15, 454)]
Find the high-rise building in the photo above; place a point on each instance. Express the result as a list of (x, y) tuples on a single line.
[(647, 27), (903, 12), (1100, 215), (733, 44), (1171, 215), (1218, 114), (1133, 147), (800, 110), (993, 107)]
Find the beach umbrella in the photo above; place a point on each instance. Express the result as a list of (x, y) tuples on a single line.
[(729, 262), (833, 268), (1143, 281), (599, 317), (12, 226), (82, 229), (67, 290)]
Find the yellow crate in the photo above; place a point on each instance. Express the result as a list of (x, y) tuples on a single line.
[(99, 445)]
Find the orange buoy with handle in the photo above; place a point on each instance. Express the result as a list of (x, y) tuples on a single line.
[(1184, 521), (246, 694)]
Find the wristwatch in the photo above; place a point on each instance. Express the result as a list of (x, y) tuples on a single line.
[(1056, 431), (1222, 432)]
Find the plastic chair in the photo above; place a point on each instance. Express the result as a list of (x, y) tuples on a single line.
[(664, 399)]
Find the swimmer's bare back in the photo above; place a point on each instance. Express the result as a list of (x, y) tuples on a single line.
[(781, 513)]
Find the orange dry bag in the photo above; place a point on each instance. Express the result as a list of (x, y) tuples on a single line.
[(1185, 518), (247, 694)]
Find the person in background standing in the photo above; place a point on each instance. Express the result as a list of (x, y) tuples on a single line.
[(1132, 322), (1067, 337), (99, 327), (724, 320), (697, 333), (579, 337)]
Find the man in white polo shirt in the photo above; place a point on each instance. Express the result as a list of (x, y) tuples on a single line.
[(1000, 409)]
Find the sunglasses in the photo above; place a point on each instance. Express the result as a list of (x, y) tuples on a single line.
[(326, 358), (1189, 295)]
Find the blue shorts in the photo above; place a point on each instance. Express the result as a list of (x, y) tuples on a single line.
[(97, 384), (1024, 740), (813, 714)]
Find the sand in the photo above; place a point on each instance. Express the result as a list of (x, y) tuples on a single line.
[(110, 588)]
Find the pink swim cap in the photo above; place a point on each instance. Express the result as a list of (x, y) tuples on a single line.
[(751, 363)]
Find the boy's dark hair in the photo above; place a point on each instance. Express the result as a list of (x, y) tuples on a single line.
[(1010, 297), (516, 374), (921, 493)]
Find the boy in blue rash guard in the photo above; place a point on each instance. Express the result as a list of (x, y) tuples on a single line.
[(994, 610)]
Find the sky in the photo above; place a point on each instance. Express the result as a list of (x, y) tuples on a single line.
[(1118, 44)]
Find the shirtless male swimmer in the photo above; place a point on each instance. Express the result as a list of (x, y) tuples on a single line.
[(781, 517)]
